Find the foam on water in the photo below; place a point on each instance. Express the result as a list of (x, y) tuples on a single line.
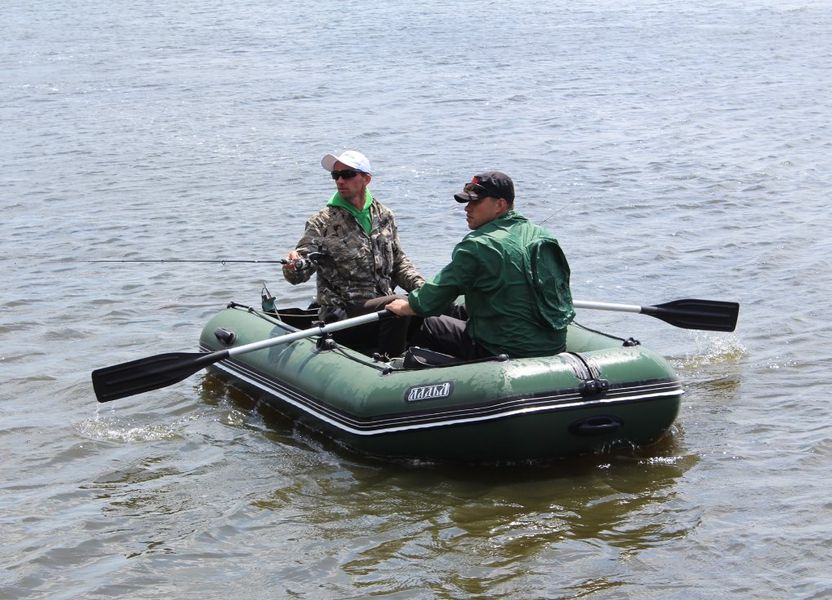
[(117, 429)]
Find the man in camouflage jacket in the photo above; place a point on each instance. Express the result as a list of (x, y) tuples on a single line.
[(359, 260)]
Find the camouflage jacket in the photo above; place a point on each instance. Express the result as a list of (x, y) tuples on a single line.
[(354, 266)]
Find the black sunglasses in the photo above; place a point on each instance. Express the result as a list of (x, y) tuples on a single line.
[(346, 174)]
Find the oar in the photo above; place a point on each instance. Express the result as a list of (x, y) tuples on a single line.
[(690, 313), (162, 370)]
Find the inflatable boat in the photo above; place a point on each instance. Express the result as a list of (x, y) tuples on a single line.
[(603, 393)]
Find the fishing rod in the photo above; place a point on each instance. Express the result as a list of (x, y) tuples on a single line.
[(299, 263), (221, 261), (551, 215)]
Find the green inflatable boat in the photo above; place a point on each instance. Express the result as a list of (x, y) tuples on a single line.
[(603, 393)]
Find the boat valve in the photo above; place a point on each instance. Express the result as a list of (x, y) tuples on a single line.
[(225, 336)]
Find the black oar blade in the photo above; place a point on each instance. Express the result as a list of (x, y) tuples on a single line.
[(151, 373), (691, 313)]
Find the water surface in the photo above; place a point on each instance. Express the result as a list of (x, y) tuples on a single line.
[(676, 150)]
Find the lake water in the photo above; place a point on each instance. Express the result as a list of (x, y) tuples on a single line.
[(676, 149)]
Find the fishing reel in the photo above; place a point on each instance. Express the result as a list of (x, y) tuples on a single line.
[(311, 261)]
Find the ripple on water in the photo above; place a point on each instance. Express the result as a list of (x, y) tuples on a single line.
[(638, 133), (712, 349), (124, 430)]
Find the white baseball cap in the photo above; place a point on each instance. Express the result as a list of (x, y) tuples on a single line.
[(351, 158)]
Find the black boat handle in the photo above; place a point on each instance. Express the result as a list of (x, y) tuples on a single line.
[(597, 425)]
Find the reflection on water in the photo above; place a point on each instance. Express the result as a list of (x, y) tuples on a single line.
[(524, 510)]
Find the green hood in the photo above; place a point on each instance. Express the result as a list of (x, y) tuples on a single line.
[(362, 216)]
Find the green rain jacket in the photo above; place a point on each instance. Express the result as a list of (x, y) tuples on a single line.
[(515, 279)]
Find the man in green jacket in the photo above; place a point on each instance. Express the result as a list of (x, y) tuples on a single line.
[(513, 274)]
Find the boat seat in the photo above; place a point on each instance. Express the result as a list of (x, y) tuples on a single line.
[(298, 318), (422, 358)]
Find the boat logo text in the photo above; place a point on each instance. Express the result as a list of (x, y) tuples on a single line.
[(429, 392)]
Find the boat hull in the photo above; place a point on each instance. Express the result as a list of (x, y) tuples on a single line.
[(597, 396)]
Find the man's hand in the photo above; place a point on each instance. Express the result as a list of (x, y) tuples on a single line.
[(401, 308), (294, 261)]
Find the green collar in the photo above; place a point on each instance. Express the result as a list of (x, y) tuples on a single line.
[(362, 216)]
